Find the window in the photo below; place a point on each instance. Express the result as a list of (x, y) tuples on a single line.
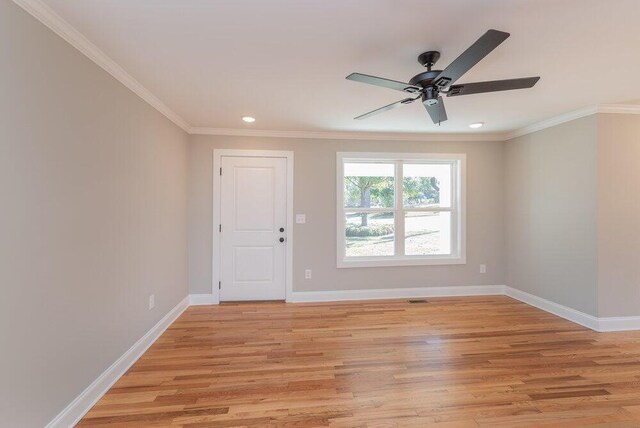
[(400, 209)]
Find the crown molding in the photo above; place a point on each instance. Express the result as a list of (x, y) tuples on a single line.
[(398, 136), (62, 28), (619, 108), (43, 13), (554, 121), (573, 115), (349, 135)]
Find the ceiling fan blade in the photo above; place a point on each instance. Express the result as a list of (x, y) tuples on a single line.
[(492, 86), (436, 111), (386, 108), (385, 83), (481, 48)]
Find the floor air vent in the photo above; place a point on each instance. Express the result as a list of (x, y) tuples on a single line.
[(418, 301)]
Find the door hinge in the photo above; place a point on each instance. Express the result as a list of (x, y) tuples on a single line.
[(220, 170), (219, 285), (220, 228)]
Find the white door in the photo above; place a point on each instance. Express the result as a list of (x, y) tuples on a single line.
[(253, 201)]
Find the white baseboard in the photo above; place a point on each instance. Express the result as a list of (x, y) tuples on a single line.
[(600, 324), (606, 324), (562, 311), (618, 323), (203, 299), (72, 414), (394, 293)]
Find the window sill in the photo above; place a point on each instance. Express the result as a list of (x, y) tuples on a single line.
[(405, 261)]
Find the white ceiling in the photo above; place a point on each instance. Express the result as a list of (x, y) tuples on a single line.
[(284, 61)]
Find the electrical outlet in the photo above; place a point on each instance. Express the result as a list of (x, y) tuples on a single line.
[(483, 268), (152, 301), (301, 218), (307, 274)]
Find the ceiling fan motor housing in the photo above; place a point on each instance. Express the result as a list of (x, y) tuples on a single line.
[(425, 79), (430, 91), (430, 96)]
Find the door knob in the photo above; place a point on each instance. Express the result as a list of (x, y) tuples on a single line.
[(282, 229), (281, 239)]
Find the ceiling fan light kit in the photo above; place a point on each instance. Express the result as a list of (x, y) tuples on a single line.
[(430, 84)]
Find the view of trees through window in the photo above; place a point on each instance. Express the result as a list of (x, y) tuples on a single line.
[(420, 191), (371, 215)]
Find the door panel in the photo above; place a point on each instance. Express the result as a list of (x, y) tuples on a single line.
[(253, 263), (253, 210), (255, 193)]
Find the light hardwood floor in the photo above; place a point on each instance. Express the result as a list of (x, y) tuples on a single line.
[(451, 362)]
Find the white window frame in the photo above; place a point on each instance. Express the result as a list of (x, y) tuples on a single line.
[(458, 210)]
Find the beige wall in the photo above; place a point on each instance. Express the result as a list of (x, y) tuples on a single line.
[(315, 195), (551, 214), (572, 214), (102, 197), (618, 215), (92, 220)]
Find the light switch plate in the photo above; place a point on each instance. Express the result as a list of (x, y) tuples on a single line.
[(301, 218)]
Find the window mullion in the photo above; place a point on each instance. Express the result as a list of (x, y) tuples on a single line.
[(366, 210), (429, 209), (399, 212), (455, 203)]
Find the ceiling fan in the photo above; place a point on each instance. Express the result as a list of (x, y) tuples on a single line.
[(430, 84)]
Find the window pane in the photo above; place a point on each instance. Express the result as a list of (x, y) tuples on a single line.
[(369, 234), (427, 233), (369, 185), (426, 185)]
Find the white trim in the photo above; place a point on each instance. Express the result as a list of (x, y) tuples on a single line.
[(427, 137), (389, 261), (602, 324), (618, 323), (573, 115), (350, 135), (43, 13), (395, 293), (72, 414), (554, 121), (605, 324), (203, 299), (555, 308), (217, 164), (457, 210), (619, 108)]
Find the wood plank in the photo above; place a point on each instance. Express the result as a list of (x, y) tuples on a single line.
[(485, 361)]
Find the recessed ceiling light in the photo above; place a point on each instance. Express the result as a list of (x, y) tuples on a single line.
[(248, 119), (476, 125)]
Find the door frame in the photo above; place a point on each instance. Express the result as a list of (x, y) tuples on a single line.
[(218, 154)]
